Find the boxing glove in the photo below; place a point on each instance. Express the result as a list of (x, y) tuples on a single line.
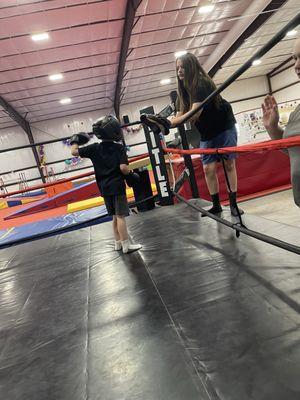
[(132, 179), (80, 138)]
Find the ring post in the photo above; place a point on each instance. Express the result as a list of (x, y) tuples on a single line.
[(159, 168), (188, 162)]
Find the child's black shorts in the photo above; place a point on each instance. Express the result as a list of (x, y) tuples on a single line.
[(117, 205)]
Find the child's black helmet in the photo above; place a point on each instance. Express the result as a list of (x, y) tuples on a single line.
[(108, 127)]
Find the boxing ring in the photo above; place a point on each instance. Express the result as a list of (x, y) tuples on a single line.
[(203, 311), (197, 314)]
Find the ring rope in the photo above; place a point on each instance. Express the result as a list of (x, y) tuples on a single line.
[(268, 145)]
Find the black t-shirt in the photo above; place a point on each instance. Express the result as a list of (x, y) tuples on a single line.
[(106, 158), (213, 120)]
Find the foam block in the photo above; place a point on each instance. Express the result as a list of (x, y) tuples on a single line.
[(58, 188), (95, 202), (3, 204), (85, 204), (13, 203)]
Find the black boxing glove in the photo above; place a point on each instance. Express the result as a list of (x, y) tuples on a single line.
[(80, 138), (132, 179), (156, 123)]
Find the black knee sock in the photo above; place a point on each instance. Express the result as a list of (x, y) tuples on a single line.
[(232, 198), (216, 208), (215, 200), (233, 204)]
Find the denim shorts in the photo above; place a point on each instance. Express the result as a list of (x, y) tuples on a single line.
[(227, 138)]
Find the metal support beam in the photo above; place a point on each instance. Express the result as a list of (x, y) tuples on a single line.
[(267, 12), (26, 127), (279, 67), (13, 113), (131, 7)]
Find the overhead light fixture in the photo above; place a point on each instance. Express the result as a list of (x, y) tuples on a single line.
[(206, 9), (165, 81), (40, 36), (67, 100), (292, 33), (55, 77), (256, 62), (180, 53)]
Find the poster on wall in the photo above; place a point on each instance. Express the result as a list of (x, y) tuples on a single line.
[(250, 127), (250, 123)]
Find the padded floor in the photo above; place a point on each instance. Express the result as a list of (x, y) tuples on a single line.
[(196, 314)]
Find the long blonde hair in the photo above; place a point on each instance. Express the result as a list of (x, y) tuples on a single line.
[(195, 80)]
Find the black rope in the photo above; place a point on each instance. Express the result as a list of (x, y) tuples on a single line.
[(137, 203), (235, 205), (180, 181)]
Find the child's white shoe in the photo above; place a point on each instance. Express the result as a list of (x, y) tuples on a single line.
[(129, 248)]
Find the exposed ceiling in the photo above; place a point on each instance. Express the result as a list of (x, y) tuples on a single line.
[(165, 27), (85, 42), (278, 54)]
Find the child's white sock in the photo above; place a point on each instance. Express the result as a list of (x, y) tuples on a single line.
[(118, 245)]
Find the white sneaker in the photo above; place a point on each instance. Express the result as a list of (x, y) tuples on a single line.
[(129, 248), (118, 245)]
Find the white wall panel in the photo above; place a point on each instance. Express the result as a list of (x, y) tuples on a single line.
[(12, 160), (247, 105), (284, 78), (289, 94), (245, 88)]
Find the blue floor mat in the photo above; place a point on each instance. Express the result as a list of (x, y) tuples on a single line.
[(53, 226)]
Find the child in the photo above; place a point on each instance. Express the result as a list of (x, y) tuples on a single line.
[(111, 167), (215, 123)]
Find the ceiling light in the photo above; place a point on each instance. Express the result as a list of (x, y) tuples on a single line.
[(292, 33), (180, 53), (165, 81), (67, 100), (256, 62), (55, 77), (206, 9), (40, 36)]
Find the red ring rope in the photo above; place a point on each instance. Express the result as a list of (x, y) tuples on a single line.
[(246, 148)]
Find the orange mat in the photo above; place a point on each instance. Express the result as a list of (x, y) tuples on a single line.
[(27, 219)]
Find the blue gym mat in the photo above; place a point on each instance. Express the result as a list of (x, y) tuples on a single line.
[(52, 226)]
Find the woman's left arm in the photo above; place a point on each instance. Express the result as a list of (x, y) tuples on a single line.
[(180, 118)]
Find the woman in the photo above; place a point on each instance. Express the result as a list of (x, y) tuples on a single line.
[(271, 122), (215, 123)]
